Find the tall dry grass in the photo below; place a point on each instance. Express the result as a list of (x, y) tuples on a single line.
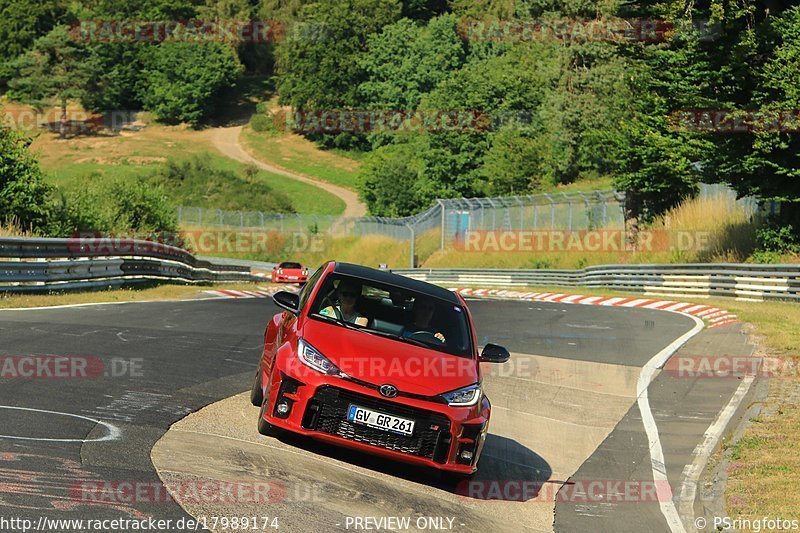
[(728, 231), (12, 228), (697, 230)]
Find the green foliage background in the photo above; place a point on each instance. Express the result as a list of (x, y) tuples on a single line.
[(562, 109)]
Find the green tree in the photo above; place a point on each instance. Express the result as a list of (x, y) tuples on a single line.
[(21, 23), (389, 178), (318, 63), (182, 82), (56, 68), (24, 195)]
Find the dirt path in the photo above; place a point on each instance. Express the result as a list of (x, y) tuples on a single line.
[(226, 140)]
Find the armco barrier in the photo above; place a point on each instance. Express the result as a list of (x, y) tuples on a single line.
[(749, 281), (61, 264)]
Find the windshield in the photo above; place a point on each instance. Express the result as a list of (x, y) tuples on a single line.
[(395, 313), (290, 265)]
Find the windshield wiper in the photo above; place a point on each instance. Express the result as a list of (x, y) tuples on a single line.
[(376, 332), (409, 340)]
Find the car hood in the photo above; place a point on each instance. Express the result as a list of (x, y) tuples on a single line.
[(378, 360)]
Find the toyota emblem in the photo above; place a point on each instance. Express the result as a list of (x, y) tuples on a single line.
[(389, 391)]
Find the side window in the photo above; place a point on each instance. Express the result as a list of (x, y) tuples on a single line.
[(312, 281)]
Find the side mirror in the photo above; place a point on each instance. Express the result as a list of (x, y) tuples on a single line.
[(287, 300), (492, 353)]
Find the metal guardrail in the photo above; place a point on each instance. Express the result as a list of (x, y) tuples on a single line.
[(28, 265), (746, 281)]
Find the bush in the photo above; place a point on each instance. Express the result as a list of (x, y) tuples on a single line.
[(24, 195), (777, 238), (261, 124), (199, 182), (82, 210), (181, 82), (141, 207)]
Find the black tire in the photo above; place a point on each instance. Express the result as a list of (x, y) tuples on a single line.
[(264, 427), (256, 394)]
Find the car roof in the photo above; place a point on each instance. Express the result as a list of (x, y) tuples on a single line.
[(388, 278)]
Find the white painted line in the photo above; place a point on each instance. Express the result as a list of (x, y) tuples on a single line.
[(93, 304), (113, 431), (657, 464), (703, 451)]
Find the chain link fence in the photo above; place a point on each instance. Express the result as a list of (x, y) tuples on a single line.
[(451, 217), (448, 220)]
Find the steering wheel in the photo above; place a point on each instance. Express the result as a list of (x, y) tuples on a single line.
[(426, 336)]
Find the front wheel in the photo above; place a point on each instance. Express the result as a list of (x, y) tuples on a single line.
[(264, 427), (256, 393)]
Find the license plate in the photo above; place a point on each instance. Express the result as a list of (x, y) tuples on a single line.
[(293, 277), (382, 421)]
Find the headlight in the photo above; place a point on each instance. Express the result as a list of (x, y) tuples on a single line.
[(464, 397), (310, 356)]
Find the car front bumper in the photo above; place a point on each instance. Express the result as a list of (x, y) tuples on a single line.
[(446, 438)]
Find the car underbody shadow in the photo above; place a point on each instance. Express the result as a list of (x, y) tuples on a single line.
[(507, 470)]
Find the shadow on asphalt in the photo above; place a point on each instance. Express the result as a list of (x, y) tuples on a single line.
[(507, 470)]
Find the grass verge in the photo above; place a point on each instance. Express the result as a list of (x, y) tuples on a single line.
[(143, 292), (99, 159), (294, 152), (764, 468)]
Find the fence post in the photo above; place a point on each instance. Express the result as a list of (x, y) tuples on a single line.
[(494, 214), (552, 211), (441, 206), (411, 230), (569, 204), (219, 216), (180, 214), (603, 199)]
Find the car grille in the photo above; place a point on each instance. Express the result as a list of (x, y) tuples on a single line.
[(327, 413)]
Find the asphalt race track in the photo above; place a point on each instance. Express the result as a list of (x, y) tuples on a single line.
[(565, 410)]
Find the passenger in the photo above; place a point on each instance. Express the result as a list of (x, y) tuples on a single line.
[(421, 321), (347, 294)]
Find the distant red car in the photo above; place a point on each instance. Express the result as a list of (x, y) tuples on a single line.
[(287, 272), (378, 362)]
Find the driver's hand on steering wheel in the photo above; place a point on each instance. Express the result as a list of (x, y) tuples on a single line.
[(439, 336)]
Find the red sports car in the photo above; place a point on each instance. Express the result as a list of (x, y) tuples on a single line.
[(287, 272), (378, 362)]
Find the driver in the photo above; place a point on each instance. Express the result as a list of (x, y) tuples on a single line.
[(421, 321), (347, 294)]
